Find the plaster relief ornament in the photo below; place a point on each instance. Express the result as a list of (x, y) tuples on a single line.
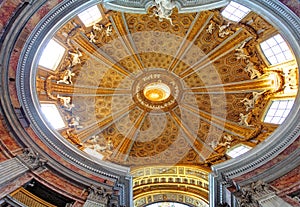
[(66, 77), (66, 101), (75, 57), (224, 31), (240, 52), (99, 194), (251, 70), (210, 28), (164, 9), (74, 123), (249, 103), (244, 119), (32, 159), (73, 138)]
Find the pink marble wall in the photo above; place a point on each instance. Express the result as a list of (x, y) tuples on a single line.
[(17, 183), (293, 5), (281, 157), (7, 8), (288, 184), (62, 186), (7, 144)]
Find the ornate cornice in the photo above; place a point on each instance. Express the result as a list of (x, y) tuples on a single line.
[(290, 130), (141, 7), (288, 25), (45, 28)]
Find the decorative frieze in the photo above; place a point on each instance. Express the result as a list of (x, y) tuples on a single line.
[(32, 159), (99, 197)]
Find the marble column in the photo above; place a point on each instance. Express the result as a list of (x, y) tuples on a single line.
[(11, 169)]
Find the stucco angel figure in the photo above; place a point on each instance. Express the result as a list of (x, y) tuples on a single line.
[(108, 31), (244, 119), (92, 37), (76, 57), (74, 123), (251, 70), (66, 101), (224, 31), (164, 9), (66, 77), (249, 103), (210, 28)]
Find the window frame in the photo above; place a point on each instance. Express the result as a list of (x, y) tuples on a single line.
[(44, 116), (102, 14), (236, 9), (265, 58), (267, 108), (59, 63), (236, 146)]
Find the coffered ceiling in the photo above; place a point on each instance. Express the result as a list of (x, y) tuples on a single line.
[(138, 91)]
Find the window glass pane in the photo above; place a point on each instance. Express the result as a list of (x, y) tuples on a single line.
[(235, 12), (276, 120), (276, 50), (52, 55), (52, 115), (90, 16), (278, 111), (275, 104), (282, 104), (268, 118), (237, 150)]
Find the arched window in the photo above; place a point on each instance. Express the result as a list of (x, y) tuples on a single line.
[(52, 55), (90, 16), (278, 111), (53, 116), (237, 150), (235, 12), (276, 50)]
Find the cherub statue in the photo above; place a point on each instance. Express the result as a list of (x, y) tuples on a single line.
[(256, 95), (74, 123), (244, 119), (227, 141), (223, 31), (66, 77), (108, 31), (97, 28), (249, 103), (76, 57), (251, 70), (241, 56), (66, 101), (228, 137), (92, 37), (97, 147), (164, 10), (210, 28)]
